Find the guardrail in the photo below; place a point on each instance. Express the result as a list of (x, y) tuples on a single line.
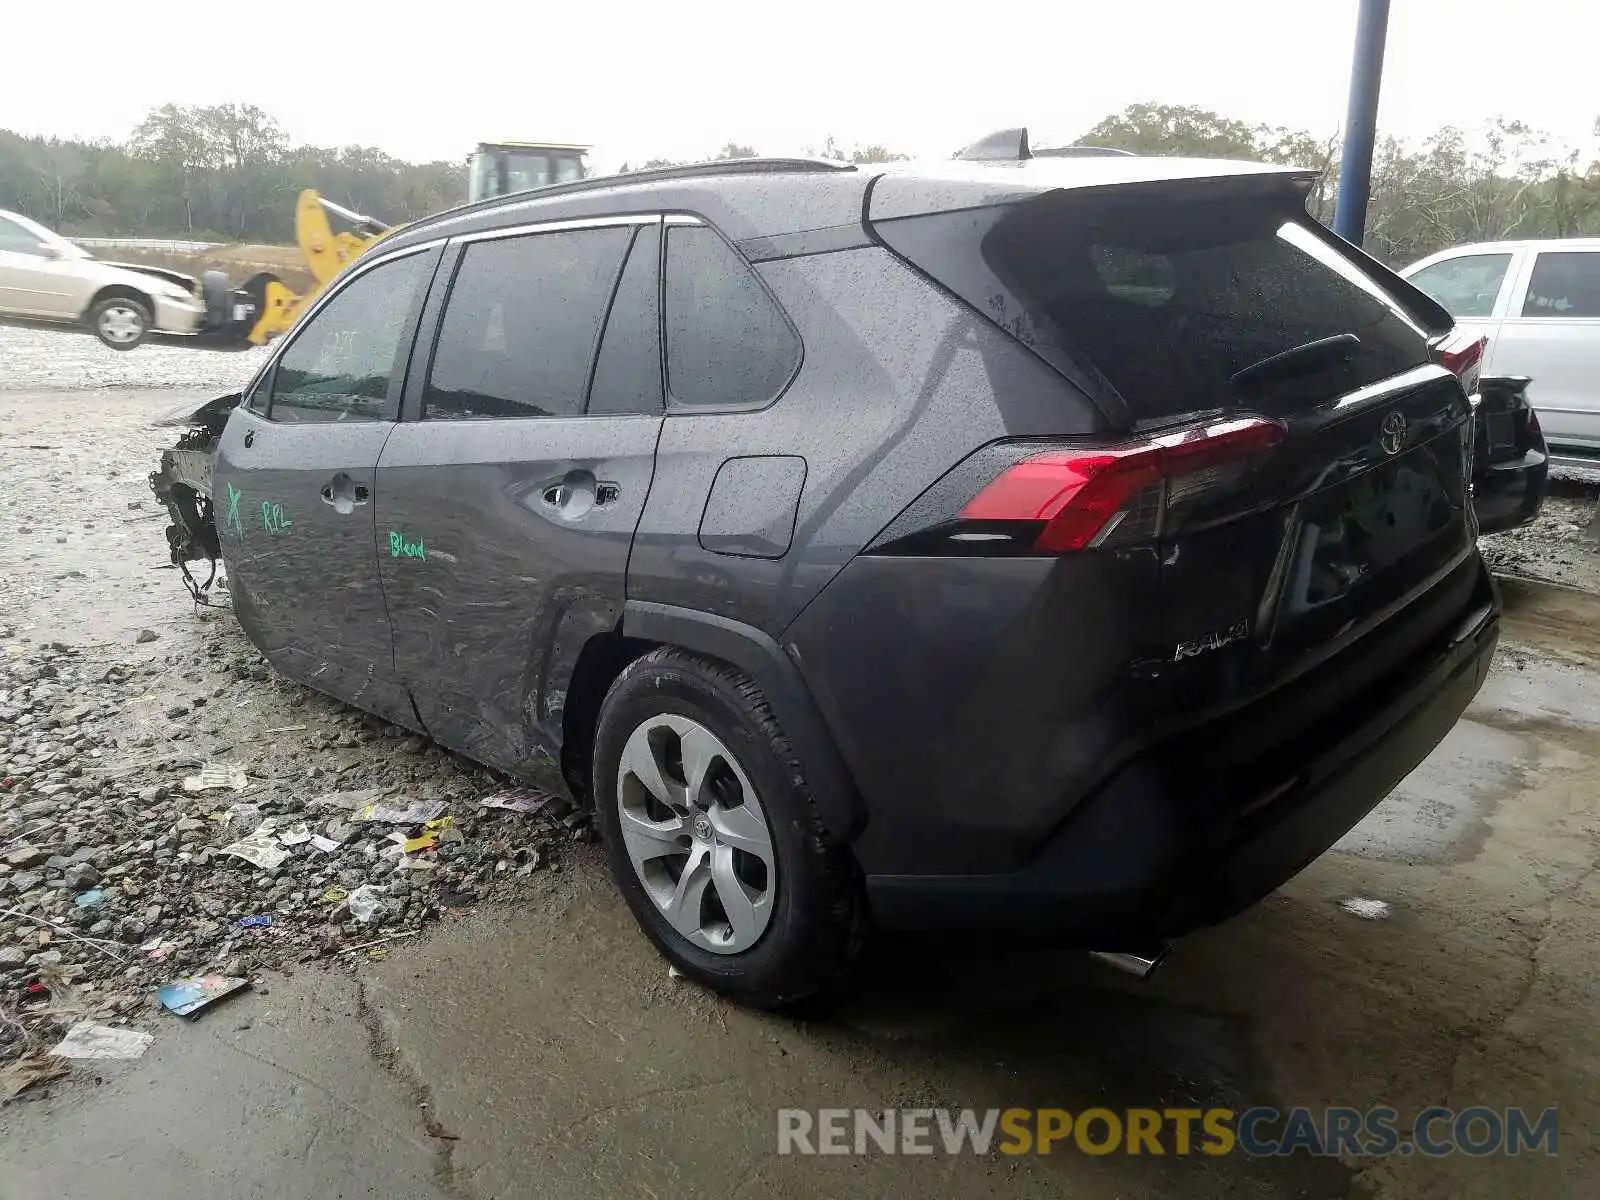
[(162, 245)]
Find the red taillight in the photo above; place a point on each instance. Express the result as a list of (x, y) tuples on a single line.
[(1461, 357), (1086, 496)]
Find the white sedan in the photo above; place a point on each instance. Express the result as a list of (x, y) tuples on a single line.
[(44, 277)]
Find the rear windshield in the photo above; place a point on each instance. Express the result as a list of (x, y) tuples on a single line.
[(1169, 300)]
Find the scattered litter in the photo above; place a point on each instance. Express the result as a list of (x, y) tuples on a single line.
[(260, 847), (348, 799), (295, 835), (364, 902), (407, 863), (215, 775), (674, 973), (376, 941), (414, 813), (326, 845), (377, 953), (522, 800), (88, 1040), (158, 948), (426, 841), (260, 921), (335, 894), (32, 1068), (288, 729), (93, 898), (1367, 910), (194, 992)]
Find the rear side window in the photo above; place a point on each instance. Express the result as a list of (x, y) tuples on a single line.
[(627, 372), (521, 325), (340, 364), (1565, 283), (1168, 299), (1468, 286), (729, 345)]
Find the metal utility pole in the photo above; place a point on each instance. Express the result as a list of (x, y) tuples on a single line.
[(1361, 121)]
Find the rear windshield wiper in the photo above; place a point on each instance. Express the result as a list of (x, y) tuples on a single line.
[(1297, 359)]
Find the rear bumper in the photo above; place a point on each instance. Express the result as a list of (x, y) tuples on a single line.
[(1508, 494), (1133, 863)]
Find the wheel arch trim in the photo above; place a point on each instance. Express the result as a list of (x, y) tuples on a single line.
[(775, 673)]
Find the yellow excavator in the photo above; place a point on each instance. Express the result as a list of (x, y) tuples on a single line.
[(266, 307)]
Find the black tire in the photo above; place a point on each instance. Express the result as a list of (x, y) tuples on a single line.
[(135, 320), (216, 296), (817, 910)]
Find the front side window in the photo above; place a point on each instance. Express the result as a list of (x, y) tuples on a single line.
[(1565, 283), (339, 367), (1465, 286), (520, 327), (728, 343)]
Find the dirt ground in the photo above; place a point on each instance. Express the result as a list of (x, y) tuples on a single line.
[(543, 1035)]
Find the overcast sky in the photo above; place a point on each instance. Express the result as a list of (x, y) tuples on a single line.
[(650, 80)]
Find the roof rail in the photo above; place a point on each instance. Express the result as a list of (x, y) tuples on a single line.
[(721, 166), (1083, 152), (1011, 145)]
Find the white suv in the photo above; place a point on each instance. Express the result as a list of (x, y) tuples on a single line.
[(44, 277), (1539, 302)]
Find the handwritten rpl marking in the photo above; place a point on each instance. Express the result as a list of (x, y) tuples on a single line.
[(272, 518)]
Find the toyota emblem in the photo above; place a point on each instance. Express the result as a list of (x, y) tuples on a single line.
[(1393, 435)]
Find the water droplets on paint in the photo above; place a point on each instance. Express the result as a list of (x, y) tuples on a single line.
[(1367, 910)]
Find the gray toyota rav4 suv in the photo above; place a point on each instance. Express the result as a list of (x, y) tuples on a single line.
[(1069, 546)]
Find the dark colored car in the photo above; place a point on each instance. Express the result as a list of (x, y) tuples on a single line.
[(1511, 465), (1510, 462), (1073, 546)]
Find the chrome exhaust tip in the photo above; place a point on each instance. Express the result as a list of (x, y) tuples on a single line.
[(1140, 963)]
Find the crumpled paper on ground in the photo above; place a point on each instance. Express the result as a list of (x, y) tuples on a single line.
[(522, 800), (414, 813), (215, 775), (88, 1040), (260, 847)]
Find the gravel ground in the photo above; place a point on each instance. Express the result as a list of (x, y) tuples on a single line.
[(38, 359), (114, 690), (1554, 547)]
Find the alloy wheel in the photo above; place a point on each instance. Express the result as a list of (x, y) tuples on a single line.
[(696, 834)]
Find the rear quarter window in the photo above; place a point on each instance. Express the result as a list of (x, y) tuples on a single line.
[(729, 345), (1167, 299)]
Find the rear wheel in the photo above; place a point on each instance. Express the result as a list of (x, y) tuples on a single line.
[(714, 838), (120, 322)]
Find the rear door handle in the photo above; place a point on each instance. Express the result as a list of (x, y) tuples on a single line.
[(344, 493)]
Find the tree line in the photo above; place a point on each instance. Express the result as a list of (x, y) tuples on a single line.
[(228, 172), (224, 172)]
